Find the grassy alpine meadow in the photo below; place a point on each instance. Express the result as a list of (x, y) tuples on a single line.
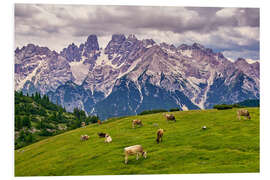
[(226, 146)]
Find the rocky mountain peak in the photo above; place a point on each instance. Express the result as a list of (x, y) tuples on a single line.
[(118, 38), (72, 52), (31, 50), (220, 55), (240, 59), (189, 76), (241, 62), (91, 43), (147, 42), (132, 37), (198, 46), (184, 47)]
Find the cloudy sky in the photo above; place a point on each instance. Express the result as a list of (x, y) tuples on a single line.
[(233, 31)]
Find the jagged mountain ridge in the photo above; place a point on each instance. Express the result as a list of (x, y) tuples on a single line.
[(132, 75)]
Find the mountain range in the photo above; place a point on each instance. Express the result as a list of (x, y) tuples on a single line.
[(131, 75)]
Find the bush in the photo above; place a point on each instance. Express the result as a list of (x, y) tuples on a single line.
[(92, 119), (174, 109), (44, 132), (29, 138), (152, 111), (223, 107), (237, 106)]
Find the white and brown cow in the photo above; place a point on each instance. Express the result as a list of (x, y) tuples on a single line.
[(136, 122), (84, 137), (170, 117), (134, 150), (243, 112), (108, 138)]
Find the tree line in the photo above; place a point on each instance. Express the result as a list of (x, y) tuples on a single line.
[(36, 118)]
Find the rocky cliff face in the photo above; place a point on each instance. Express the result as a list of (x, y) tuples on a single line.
[(40, 69), (132, 75)]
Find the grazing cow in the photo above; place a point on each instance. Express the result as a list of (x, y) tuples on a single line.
[(132, 150), (99, 122), (83, 124), (101, 135), (108, 138), (243, 112), (136, 122), (170, 117), (84, 137), (159, 135)]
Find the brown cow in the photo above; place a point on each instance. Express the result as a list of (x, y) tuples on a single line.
[(170, 117), (159, 135), (136, 122), (101, 134), (243, 112), (99, 122)]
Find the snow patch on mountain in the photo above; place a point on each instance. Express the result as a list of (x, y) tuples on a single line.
[(196, 81), (210, 81), (79, 71), (132, 66), (251, 61), (187, 53), (104, 60), (29, 76), (185, 108)]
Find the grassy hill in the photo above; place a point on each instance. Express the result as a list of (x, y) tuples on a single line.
[(227, 146)]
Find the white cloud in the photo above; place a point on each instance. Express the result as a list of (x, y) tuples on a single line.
[(247, 54), (226, 12)]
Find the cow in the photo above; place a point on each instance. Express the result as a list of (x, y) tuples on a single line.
[(159, 135), (108, 138), (170, 117), (243, 112), (132, 150), (136, 122), (84, 137), (99, 122), (101, 135)]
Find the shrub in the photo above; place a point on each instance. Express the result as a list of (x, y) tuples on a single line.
[(44, 132), (174, 109), (223, 107), (152, 111), (237, 106), (92, 119)]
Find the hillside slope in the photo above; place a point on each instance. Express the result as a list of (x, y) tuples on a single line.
[(37, 118), (227, 146)]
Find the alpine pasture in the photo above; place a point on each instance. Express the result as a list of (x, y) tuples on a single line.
[(226, 145)]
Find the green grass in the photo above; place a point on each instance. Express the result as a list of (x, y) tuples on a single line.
[(227, 146)]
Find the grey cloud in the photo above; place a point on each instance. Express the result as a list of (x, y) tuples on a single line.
[(162, 18), (25, 11), (79, 21), (250, 17)]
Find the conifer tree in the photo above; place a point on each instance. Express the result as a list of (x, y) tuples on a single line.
[(26, 122)]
